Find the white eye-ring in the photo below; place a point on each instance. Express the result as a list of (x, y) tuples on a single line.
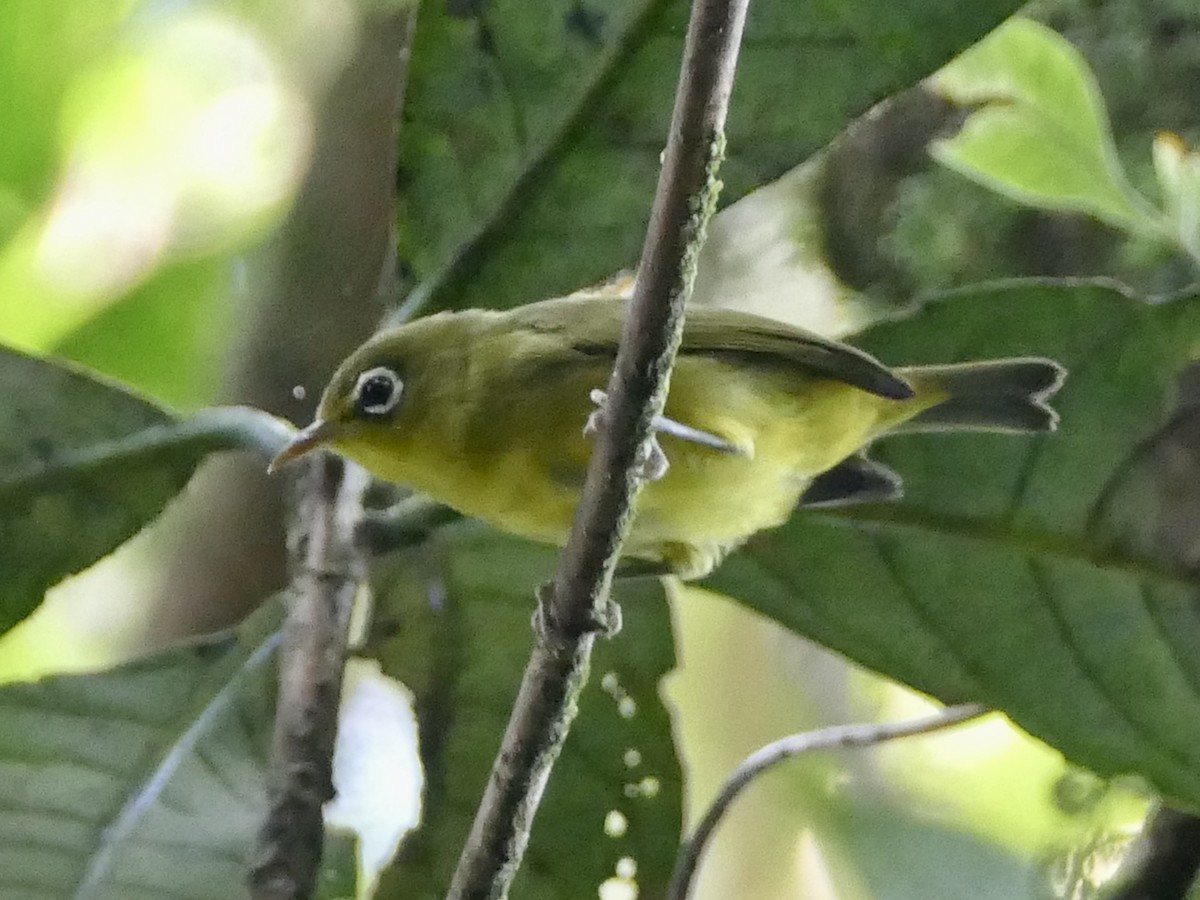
[(377, 391)]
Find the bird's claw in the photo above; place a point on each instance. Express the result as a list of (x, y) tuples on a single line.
[(592, 425), (603, 618), (653, 464)]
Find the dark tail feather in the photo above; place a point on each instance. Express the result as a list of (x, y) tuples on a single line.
[(1003, 395), (855, 479)]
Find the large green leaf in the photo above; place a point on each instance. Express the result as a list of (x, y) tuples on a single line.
[(1038, 130), (1026, 572), (148, 781), (528, 166), (141, 783), (84, 465), (463, 640)]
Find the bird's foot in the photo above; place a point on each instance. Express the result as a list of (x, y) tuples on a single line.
[(604, 618), (654, 463)]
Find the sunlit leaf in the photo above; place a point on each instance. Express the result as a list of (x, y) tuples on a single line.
[(1025, 572), (1038, 129)]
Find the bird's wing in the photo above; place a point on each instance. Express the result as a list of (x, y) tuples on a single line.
[(594, 325)]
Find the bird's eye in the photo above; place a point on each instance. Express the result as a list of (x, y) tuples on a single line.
[(377, 391)]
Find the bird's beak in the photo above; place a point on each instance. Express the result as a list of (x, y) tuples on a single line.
[(305, 441)]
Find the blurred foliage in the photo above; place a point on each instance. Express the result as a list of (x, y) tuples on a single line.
[(151, 148), (1145, 58), (144, 150)]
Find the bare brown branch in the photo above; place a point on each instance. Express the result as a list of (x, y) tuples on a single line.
[(327, 571), (577, 605), (326, 563)]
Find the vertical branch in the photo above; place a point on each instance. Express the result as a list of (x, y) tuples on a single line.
[(327, 570), (340, 241), (577, 605)]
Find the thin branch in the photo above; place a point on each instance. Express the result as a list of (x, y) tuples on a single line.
[(577, 605), (327, 571), (343, 197), (840, 737)]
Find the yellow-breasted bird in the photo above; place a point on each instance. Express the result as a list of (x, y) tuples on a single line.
[(487, 411)]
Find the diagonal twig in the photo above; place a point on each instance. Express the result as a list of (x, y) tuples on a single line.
[(576, 606), (839, 737)]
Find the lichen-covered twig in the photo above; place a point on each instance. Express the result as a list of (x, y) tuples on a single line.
[(576, 606), (840, 737)]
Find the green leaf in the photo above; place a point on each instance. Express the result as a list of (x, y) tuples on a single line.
[(528, 167), (141, 783), (1038, 130), (339, 862), (463, 640), (84, 465), (1030, 573), (147, 781)]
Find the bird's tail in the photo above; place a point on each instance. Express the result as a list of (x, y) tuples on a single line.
[(1000, 395)]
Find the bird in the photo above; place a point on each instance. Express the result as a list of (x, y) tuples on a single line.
[(492, 413)]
